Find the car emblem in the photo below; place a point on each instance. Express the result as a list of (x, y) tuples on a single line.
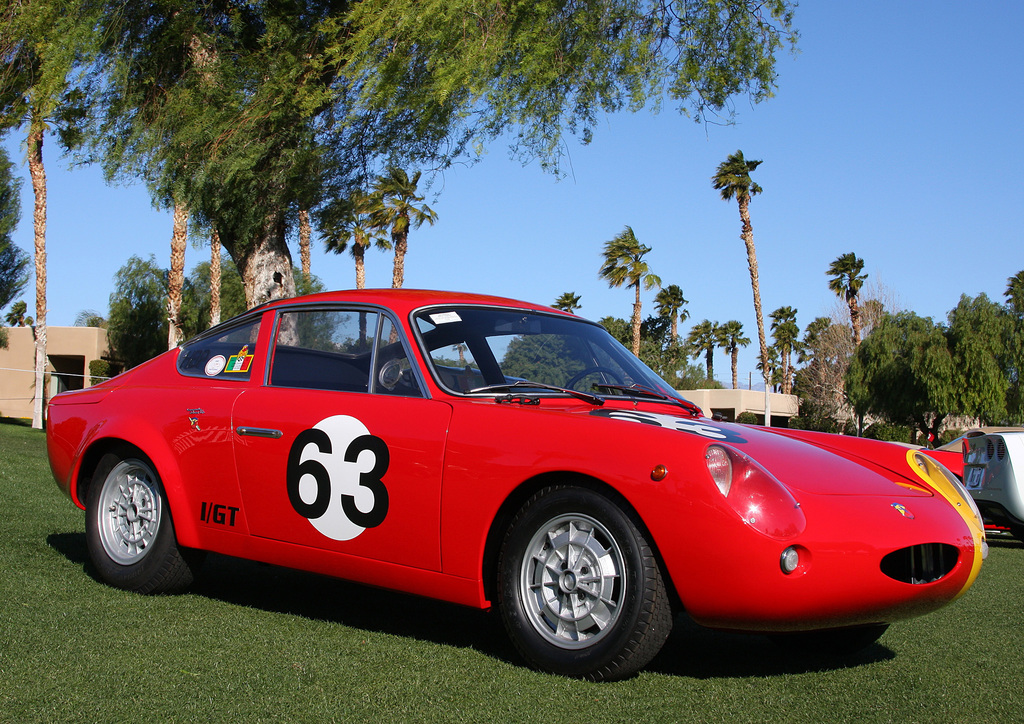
[(902, 510)]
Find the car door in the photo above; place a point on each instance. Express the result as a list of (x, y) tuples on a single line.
[(340, 449)]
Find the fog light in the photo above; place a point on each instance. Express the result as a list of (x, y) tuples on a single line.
[(789, 560)]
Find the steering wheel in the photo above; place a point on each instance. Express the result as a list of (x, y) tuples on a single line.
[(594, 370)]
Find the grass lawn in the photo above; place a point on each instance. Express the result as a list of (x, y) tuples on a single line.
[(253, 643)]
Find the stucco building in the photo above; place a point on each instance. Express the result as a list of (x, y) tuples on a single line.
[(69, 350)]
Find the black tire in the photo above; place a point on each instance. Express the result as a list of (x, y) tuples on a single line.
[(129, 531), (608, 580), (832, 642)]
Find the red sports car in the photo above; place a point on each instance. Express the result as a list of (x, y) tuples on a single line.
[(490, 452)]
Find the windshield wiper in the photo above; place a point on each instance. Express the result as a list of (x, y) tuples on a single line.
[(522, 384), (643, 391)]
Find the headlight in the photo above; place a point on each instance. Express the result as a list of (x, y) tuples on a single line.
[(953, 490), (761, 501)]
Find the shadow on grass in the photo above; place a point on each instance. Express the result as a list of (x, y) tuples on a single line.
[(691, 651), (16, 421)]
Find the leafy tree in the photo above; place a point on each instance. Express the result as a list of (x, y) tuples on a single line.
[(703, 340), (624, 265), (568, 302), (846, 281), (16, 315), (670, 303), (730, 338), (904, 372), (732, 180), (197, 297), (13, 261), (979, 339), (90, 318), (1014, 358), (137, 326), (394, 206), (786, 334)]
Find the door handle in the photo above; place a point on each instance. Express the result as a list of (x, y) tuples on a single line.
[(259, 432)]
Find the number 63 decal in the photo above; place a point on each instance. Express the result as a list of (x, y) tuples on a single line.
[(335, 477)]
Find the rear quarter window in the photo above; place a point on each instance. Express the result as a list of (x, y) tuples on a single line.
[(225, 356)]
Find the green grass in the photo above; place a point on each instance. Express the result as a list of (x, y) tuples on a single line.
[(252, 643)]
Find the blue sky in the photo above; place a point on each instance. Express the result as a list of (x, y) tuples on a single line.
[(894, 134)]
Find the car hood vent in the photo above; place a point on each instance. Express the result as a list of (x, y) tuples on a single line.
[(919, 564)]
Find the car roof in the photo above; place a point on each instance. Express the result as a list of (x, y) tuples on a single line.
[(407, 300)]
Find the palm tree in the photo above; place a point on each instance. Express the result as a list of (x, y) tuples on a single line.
[(568, 302), (395, 202), (176, 275), (624, 265), (1015, 292), (730, 338), (355, 225), (215, 274), (732, 179), (787, 339), (703, 340), (846, 282), (670, 304), (16, 315)]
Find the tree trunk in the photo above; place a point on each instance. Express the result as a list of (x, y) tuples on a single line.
[(709, 362), (401, 242), (735, 364), (304, 234), (176, 276), (38, 174), (748, 239), (359, 252), (214, 279), (636, 322), (265, 264), (851, 300)]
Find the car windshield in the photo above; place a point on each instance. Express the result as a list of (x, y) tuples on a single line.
[(477, 347)]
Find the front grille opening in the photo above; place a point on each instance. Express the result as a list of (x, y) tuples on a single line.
[(923, 563)]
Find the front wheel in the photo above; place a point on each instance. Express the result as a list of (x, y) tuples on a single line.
[(129, 530), (579, 589)]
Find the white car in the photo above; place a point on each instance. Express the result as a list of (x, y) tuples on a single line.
[(992, 464)]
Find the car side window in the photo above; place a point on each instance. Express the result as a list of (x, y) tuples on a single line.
[(393, 372), (324, 349), (225, 356)]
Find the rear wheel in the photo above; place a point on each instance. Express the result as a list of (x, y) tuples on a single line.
[(579, 589), (129, 530)]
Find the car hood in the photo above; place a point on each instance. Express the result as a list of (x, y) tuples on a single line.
[(811, 464)]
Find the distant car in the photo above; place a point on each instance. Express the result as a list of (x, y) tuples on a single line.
[(491, 452), (994, 476)]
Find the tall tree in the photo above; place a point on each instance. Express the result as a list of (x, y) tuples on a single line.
[(703, 340), (732, 180), (1015, 292), (846, 281), (395, 207), (176, 275), (786, 334), (730, 338), (671, 304), (40, 43), (349, 225), (137, 323), (568, 302), (979, 336), (624, 265)]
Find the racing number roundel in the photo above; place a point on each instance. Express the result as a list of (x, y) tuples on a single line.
[(335, 477)]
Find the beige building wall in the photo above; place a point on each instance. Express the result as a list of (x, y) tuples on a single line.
[(730, 403), (69, 350)]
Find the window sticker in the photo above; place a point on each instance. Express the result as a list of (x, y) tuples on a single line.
[(239, 362), (445, 317), (215, 365)]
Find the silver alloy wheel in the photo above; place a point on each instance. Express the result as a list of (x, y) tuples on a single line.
[(571, 581), (129, 510)]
